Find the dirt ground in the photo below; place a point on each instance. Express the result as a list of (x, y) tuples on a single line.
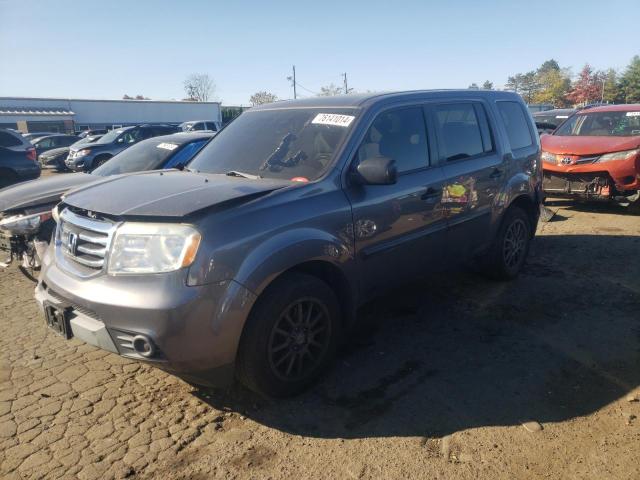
[(437, 383)]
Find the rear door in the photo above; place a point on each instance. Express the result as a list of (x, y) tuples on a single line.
[(474, 170), (399, 229)]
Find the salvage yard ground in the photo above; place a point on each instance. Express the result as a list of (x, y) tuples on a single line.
[(437, 385)]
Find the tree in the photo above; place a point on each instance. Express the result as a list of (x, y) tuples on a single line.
[(199, 87), (587, 88), (127, 97), (487, 85), (529, 86), (549, 66), (630, 82), (474, 86), (553, 86), (262, 97), (514, 83), (611, 92), (330, 90)]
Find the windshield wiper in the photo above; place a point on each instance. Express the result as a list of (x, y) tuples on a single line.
[(236, 173)]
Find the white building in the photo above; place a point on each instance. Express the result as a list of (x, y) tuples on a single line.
[(69, 114)]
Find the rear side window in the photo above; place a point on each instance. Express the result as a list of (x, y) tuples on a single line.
[(400, 135), (8, 140), (516, 125), (463, 130)]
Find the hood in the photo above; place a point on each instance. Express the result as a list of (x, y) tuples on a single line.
[(587, 145), (54, 152), (41, 191), (91, 146), (169, 193)]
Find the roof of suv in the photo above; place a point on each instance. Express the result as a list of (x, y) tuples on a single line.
[(362, 100)]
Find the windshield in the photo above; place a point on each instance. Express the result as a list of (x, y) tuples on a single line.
[(109, 137), (601, 124), (149, 154), (286, 144)]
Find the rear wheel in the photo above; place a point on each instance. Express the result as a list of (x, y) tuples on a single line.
[(290, 337), (510, 247)]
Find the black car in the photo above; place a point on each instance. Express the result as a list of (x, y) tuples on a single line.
[(86, 158), (55, 157), (25, 210), (549, 120), (49, 142), (17, 159)]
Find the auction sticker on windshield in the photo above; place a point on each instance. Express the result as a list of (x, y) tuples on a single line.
[(167, 146), (333, 119)]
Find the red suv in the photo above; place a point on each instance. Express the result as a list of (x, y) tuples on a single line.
[(595, 154)]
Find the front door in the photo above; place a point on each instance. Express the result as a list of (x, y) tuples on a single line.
[(399, 229)]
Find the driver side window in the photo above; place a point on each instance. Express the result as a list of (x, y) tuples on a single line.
[(400, 135)]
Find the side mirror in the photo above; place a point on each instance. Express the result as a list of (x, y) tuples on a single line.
[(377, 171)]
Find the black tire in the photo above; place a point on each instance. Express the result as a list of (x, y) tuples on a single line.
[(509, 251), (279, 353), (98, 162)]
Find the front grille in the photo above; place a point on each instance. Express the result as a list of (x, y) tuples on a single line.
[(79, 308), (84, 241)]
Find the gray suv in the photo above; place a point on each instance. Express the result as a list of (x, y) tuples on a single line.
[(252, 262)]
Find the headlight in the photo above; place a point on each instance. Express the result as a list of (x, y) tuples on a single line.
[(24, 224), (152, 248), (82, 153), (548, 157), (627, 154)]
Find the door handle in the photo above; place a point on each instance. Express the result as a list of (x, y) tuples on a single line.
[(497, 173), (431, 193)]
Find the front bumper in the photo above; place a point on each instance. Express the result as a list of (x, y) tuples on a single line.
[(77, 164), (622, 176), (196, 330)]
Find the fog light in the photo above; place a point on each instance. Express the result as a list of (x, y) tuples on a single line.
[(143, 346)]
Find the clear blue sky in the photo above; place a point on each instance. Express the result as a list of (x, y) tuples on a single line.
[(104, 49)]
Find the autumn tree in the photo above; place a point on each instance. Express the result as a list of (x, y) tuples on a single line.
[(554, 84), (587, 88), (262, 97), (199, 87)]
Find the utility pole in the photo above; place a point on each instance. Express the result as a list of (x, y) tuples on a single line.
[(346, 86), (292, 79)]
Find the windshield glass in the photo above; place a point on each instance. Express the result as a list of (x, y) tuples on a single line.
[(601, 124), (288, 143), (109, 137), (147, 155)]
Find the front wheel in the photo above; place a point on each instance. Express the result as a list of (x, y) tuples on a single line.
[(98, 162), (510, 247), (290, 337)]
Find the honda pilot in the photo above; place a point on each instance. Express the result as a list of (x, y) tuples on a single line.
[(252, 262)]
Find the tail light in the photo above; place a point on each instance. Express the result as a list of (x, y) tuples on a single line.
[(31, 154)]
